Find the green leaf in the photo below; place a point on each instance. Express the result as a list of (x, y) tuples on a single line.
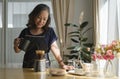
[(79, 38), (74, 40), (75, 32), (71, 56), (74, 51), (84, 24), (67, 24), (74, 25), (86, 57), (72, 47), (77, 48), (84, 39), (70, 24)]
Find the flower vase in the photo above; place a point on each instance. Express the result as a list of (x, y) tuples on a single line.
[(98, 69), (108, 71)]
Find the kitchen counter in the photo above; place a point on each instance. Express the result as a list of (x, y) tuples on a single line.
[(19, 73)]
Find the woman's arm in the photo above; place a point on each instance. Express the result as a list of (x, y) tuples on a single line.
[(55, 50), (16, 43)]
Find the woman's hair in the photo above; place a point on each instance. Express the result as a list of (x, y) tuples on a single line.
[(36, 11)]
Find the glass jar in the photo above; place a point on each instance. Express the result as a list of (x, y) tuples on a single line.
[(108, 70)]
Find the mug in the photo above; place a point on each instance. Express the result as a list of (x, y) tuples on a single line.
[(88, 67), (24, 44)]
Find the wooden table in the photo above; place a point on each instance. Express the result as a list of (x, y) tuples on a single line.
[(19, 73)]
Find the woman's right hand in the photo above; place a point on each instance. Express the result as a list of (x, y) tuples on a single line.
[(16, 41), (16, 44)]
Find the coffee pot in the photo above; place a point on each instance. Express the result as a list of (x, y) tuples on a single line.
[(40, 63)]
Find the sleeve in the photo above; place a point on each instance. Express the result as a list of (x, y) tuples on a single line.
[(22, 34), (53, 36)]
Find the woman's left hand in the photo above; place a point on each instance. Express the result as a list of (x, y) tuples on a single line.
[(66, 67)]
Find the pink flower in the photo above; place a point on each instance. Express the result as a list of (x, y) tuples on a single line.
[(109, 52), (99, 56), (94, 57), (107, 57), (109, 46), (114, 43)]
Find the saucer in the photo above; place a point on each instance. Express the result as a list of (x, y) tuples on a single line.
[(76, 73)]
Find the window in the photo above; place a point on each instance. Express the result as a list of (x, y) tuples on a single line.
[(18, 12), (0, 14), (109, 20)]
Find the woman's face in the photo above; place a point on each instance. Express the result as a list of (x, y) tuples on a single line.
[(41, 19)]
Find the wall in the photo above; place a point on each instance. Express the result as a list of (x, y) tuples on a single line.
[(86, 7)]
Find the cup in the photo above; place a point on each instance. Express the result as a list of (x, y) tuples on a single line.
[(24, 44), (88, 67)]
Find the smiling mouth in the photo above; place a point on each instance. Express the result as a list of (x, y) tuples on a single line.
[(40, 24)]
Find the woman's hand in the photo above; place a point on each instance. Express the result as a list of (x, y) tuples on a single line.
[(16, 41), (66, 67), (16, 44)]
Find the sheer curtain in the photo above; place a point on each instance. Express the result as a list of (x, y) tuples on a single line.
[(109, 20), (106, 20), (63, 13), (108, 24), (118, 17)]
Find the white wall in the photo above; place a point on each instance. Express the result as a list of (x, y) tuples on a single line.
[(86, 7)]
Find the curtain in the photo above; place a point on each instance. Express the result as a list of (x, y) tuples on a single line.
[(118, 17), (109, 21), (106, 20), (63, 13), (96, 21)]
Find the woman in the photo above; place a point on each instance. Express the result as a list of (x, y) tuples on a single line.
[(38, 25)]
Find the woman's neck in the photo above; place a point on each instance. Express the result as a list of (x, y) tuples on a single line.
[(36, 31)]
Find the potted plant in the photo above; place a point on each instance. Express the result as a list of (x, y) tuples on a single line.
[(81, 49)]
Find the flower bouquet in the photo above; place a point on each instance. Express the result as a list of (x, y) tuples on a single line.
[(107, 52)]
